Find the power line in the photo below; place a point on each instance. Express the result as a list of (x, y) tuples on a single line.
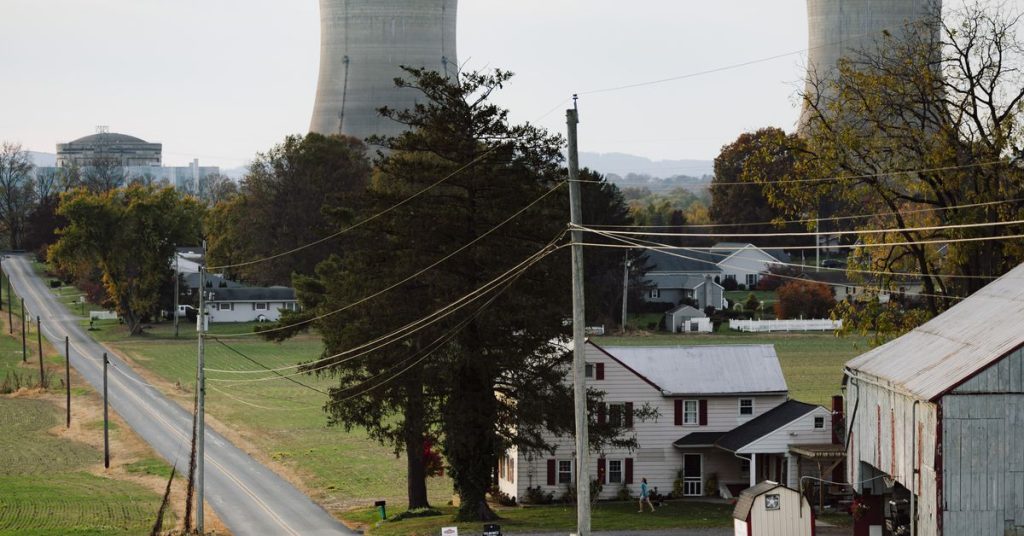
[(809, 220), (361, 222), (383, 291), (810, 233), (268, 369), (416, 325)]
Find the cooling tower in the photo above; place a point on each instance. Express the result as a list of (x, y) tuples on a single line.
[(837, 28), (363, 45)]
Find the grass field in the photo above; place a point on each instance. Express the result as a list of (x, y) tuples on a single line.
[(811, 362), (605, 516), (284, 420)]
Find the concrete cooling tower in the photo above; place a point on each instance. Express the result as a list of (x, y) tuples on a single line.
[(363, 45), (837, 28)]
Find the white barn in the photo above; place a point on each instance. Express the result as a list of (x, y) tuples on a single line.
[(936, 420)]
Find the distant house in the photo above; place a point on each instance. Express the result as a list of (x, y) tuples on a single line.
[(724, 419), (681, 274), (745, 263), (686, 318), (936, 420), (845, 289), (249, 304)]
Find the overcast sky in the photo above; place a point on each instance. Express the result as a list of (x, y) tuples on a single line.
[(223, 79)]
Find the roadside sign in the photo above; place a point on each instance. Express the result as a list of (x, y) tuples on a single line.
[(450, 531)]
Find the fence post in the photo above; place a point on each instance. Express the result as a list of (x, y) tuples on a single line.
[(67, 376), (39, 337), (106, 420), (24, 345)]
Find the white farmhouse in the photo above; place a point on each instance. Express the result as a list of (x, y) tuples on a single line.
[(725, 422), (745, 263)]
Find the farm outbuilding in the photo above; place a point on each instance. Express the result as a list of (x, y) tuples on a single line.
[(936, 422), (771, 509)]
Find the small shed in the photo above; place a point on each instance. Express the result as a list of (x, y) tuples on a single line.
[(682, 318), (771, 509)]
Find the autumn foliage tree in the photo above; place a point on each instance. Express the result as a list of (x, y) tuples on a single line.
[(129, 234), (804, 299)]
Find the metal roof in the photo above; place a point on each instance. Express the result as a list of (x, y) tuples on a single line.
[(766, 423), (683, 260), (705, 370), (955, 345)]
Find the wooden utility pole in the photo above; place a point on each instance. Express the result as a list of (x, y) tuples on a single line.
[(24, 345), (177, 275), (10, 307), (625, 290), (106, 417), (39, 337), (579, 362), (67, 377), (201, 393)]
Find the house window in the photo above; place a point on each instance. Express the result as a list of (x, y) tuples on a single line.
[(746, 406), (615, 414), (730, 276), (819, 423), (261, 307), (614, 471), (751, 280), (588, 371), (689, 412), (654, 294), (745, 468), (565, 471), (226, 307)]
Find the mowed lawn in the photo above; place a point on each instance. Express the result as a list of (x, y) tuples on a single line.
[(604, 516), (811, 362), (284, 419)]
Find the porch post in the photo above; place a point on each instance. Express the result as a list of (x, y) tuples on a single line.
[(753, 470), (792, 470)]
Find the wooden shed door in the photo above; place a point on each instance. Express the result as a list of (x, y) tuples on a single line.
[(693, 475)]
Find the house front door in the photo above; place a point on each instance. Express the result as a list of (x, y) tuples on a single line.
[(693, 475)]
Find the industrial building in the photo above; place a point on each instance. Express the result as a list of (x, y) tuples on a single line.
[(936, 422), (839, 28), (364, 43)]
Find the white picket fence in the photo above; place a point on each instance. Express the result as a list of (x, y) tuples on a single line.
[(767, 326)]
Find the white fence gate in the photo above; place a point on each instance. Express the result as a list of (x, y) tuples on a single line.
[(767, 326)]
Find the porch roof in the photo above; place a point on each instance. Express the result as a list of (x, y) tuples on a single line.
[(698, 439), (764, 424)]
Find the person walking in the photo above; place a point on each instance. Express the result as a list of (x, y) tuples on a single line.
[(645, 495)]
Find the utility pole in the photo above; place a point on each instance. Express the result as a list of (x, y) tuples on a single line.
[(177, 275), (10, 307), (201, 393), (39, 337), (24, 345), (579, 362), (67, 377), (106, 417), (625, 290)]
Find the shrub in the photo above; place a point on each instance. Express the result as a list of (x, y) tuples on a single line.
[(503, 498), (804, 299), (534, 495), (741, 286), (416, 512), (624, 493), (729, 284)]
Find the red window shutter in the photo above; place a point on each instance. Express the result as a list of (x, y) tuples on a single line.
[(601, 413), (601, 475), (679, 412), (629, 415), (599, 371), (629, 470), (703, 404), (551, 472)]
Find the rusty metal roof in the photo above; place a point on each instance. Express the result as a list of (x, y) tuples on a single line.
[(955, 345)]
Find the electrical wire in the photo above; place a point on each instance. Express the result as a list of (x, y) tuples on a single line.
[(266, 368), (809, 220), (414, 326), (808, 233), (361, 222), (383, 291)]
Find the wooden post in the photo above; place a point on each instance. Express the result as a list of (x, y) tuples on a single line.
[(39, 338), (67, 376), (106, 418), (24, 345), (10, 307)]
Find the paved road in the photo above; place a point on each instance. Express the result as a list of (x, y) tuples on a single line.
[(821, 531), (248, 497)]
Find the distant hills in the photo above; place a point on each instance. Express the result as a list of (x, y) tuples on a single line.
[(630, 171), (43, 159)]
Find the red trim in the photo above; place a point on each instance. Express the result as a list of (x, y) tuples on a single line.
[(679, 412), (602, 411), (814, 528), (703, 411), (629, 470), (939, 504), (878, 438), (599, 371), (602, 476), (551, 472), (935, 399), (627, 367), (750, 529), (629, 415)]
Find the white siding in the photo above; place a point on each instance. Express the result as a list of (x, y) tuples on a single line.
[(799, 432), (656, 459), (883, 426), (791, 519), (245, 312), (750, 260)]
